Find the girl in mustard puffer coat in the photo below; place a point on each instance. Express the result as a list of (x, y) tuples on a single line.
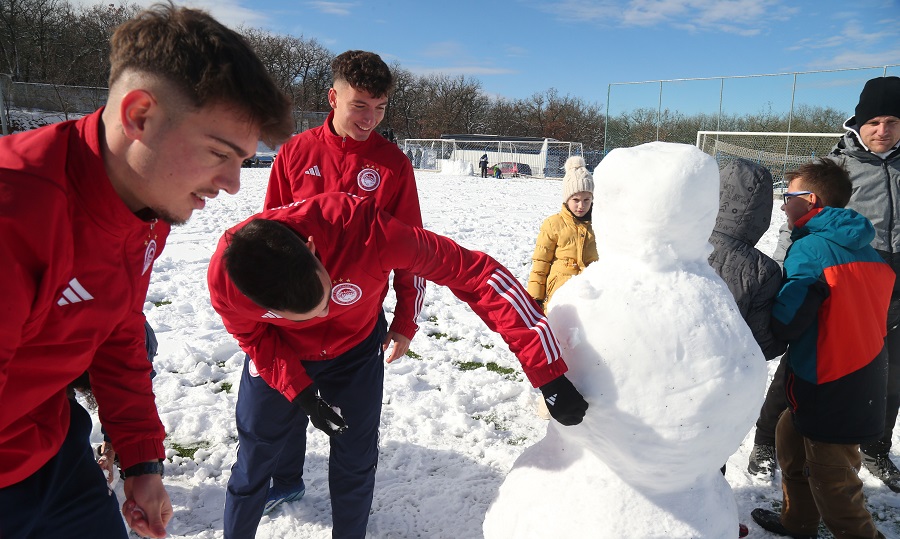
[(566, 243)]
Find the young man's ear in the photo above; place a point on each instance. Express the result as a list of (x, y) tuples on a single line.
[(816, 201), (135, 108), (332, 98)]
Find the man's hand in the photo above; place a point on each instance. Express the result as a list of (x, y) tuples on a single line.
[(147, 508), (564, 402), (320, 413), (401, 345)]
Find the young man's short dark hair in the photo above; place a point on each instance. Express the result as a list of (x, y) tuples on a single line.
[(270, 264), (207, 63), (364, 71), (826, 178)]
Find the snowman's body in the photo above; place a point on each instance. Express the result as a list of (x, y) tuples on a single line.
[(655, 343)]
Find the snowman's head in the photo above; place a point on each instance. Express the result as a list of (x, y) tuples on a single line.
[(656, 203)]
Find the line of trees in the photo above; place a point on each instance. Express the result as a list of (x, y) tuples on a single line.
[(55, 42)]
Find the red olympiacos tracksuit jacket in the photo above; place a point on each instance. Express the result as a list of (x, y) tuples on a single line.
[(359, 245), (76, 264), (318, 161)]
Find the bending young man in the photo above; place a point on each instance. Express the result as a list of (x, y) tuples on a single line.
[(300, 288)]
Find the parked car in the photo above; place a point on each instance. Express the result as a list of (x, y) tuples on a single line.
[(509, 168), (264, 157)]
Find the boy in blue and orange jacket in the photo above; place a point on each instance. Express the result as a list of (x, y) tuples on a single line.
[(832, 311)]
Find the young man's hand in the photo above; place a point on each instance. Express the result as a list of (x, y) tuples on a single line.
[(564, 402), (320, 413), (401, 345), (147, 508)]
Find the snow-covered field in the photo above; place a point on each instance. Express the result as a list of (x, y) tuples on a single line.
[(457, 413)]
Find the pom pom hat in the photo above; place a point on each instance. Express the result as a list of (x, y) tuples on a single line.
[(577, 178)]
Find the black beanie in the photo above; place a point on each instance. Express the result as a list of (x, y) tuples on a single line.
[(880, 97)]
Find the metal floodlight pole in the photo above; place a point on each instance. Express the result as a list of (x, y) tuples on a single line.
[(787, 142), (606, 122), (659, 110)]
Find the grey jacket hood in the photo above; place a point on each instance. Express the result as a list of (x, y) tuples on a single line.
[(745, 201)]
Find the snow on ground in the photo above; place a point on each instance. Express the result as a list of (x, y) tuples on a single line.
[(458, 410)]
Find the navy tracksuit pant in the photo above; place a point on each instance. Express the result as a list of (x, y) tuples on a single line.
[(272, 432), (67, 497)]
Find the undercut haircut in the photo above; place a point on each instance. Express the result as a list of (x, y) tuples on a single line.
[(364, 71), (207, 63), (827, 178), (271, 264)]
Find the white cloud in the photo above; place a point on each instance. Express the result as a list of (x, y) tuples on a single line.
[(463, 70), (742, 17), (333, 8)]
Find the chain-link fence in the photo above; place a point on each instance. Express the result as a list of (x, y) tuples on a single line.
[(544, 159), (676, 110), (778, 152)]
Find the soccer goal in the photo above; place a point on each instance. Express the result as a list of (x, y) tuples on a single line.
[(779, 152)]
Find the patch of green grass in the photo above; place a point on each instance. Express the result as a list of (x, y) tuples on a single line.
[(413, 355), (226, 387), (432, 318), (506, 372), (188, 451), (162, 302), (469, 365), (487, 346), (518, 440), (493, 367), (439, 335)]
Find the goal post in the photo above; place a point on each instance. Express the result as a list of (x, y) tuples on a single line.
[(779, 152)]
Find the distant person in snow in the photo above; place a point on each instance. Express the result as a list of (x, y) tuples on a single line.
[(85, 209), (832, 311), (343, 155), (870, 150), (483, 163), (300, 288)]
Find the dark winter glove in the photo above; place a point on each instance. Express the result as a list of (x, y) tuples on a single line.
[(320, 413), (565, 403)]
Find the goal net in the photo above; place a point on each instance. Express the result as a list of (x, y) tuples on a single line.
[(779, 152)]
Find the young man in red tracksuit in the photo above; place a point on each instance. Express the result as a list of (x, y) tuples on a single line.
[(300, 288), (345, 154), (85, 208)]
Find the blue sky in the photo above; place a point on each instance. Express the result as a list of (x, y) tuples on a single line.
[(519, 47)]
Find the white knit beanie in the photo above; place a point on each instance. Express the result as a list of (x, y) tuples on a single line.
[(577, 178)]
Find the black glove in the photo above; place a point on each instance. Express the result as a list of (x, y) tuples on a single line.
[(321, 414), (565, 403)]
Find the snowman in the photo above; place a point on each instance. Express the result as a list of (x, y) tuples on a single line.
[(655, 343)]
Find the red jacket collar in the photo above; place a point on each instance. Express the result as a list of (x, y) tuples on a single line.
[(805, 219)]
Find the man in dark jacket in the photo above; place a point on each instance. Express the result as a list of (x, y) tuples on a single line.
[(483, 163), (870, 150), (832, 311)]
